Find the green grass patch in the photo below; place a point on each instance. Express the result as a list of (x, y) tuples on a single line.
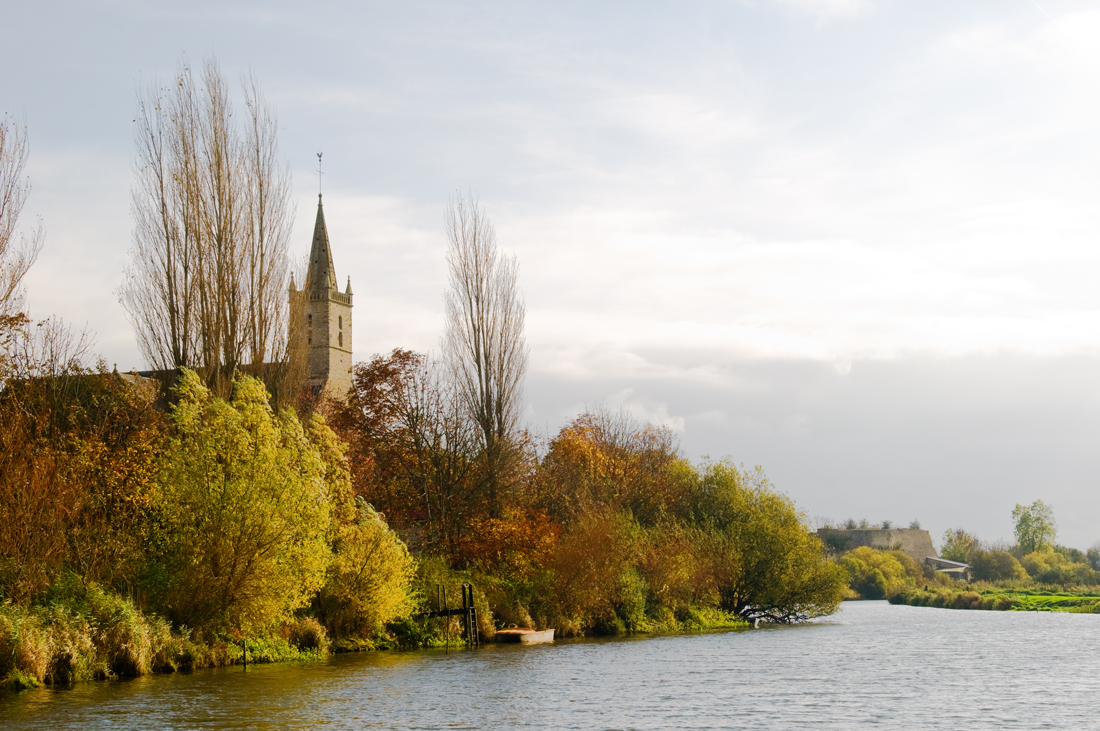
[(1017, 600)]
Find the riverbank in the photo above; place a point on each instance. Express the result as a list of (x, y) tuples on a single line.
[(84, 632), (1000, 599), (96, 635)]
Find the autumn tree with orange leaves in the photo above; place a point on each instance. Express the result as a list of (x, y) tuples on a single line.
[(79, 450), (415, 453), (606, 459)]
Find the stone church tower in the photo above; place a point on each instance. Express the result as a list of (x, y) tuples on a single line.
[(327, 313)]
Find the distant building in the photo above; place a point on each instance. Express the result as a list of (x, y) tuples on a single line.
[(956, 569), (914, 541), (326, 317)]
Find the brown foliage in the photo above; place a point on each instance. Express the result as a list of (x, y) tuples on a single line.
[(607, 458), (590, 562), (513, 546), (78, 455), (370, 421), (414, 453), (677, 575)]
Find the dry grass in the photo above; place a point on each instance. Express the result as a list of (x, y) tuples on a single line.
[(88, 633), (308, 634)]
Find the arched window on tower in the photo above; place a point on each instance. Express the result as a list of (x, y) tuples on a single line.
[(340, 322), (340, 339)]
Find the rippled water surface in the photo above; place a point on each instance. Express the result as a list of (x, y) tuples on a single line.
[(870, 665)]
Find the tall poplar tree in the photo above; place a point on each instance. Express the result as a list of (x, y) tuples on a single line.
[(206, 288), (484, 341), (17, 253)]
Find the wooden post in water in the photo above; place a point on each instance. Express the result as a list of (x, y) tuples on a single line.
[(447, 620)]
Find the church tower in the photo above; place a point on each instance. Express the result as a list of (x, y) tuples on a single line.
[(327, 313)]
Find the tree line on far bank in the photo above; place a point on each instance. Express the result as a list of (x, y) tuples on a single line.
[(145, 529), (1036, 561)]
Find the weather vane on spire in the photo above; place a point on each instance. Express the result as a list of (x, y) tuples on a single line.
[(319, 173)]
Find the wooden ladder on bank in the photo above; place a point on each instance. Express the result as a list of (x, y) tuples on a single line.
[(468, 612)]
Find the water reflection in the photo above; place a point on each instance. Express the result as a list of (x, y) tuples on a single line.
[(873, 664)]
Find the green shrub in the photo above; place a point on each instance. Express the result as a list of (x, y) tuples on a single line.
[(967, 600), (996, 565), (411, 632), (632, 601), (25, 646), (873, 585), (760, 558), (18, 680), (1051, 566), (876, 574), (609, 626), (130, 640), (192, 655), (308, 634)]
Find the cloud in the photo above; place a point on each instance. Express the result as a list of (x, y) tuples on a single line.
[(681, 120), (826, 8), (649, 413)]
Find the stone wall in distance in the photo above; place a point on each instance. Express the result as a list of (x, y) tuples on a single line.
[(914, 541)]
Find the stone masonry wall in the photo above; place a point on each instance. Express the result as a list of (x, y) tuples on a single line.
[(914, 541)]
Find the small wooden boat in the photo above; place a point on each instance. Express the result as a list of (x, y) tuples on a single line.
[(524, 635)]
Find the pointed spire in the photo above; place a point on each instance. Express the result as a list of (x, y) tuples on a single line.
[(348, 290), (322, 272)]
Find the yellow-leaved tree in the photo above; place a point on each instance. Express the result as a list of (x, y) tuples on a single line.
[(765, 562), (246, 511), (877, 574), (370, 580)]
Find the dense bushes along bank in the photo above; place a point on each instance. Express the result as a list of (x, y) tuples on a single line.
[(135, 539), (1034, 564), (217, 519)]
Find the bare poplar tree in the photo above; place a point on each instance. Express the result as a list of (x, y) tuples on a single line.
[(484, 341), (207, 285), (17, 253), (441, 440), (267, 228)]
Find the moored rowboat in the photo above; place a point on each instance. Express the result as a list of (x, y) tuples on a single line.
[(524, 635)]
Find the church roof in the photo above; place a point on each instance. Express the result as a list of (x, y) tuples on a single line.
[(322, 272)]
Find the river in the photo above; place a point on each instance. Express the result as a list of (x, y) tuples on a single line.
[(871, 664)]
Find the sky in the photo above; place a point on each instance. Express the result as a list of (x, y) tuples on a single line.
[(852, 241)]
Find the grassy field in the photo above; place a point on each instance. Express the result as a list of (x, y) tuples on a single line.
[(992, 598)]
